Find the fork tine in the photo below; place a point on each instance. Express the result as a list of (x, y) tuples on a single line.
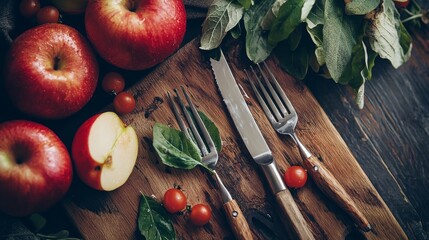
[(268, 98), (280, 90), (191, 124), (274, 94), (261, 100), (179, 118), (200, 123)]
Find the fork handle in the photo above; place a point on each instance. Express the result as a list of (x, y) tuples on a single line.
[(237, 221), (326, 182)]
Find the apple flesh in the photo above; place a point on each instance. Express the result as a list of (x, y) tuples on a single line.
[(51, 72), (35, 168), (135, 35), (104, 151)]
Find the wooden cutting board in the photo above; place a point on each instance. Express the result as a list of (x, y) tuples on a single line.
[(113, 215)]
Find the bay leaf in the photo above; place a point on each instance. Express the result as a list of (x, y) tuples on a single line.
[(221, 17), (387, 36), (340, 32), (361, 7)]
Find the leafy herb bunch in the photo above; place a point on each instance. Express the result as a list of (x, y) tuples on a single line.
[(337, 39)]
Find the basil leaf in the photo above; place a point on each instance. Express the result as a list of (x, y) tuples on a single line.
[(211, 128), (153, 220), (271, 15), (387, 36), (295, 38), (290, 15), (339, 37), (295, 62), (245, 3), (361, 7), (316, 15), (174, 149), (213, 131), (257, 46), (221, 17)]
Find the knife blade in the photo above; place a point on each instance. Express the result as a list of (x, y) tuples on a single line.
[(257, 147)]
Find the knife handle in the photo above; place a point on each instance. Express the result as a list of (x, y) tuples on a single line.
[(328, 184), (292, 216), (237, 221)]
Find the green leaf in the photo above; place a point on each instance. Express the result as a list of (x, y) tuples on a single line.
[(339, 37), (290, 15), (37, 222), (153, 220), (361, 7), (295, 62), (295, 38), (245, 3), (236, 31), (271, 15), (213, 131), (257, 46), (359, 70), (387, 36), (221, 17), (316, 35), (174, 149), (316, 15)]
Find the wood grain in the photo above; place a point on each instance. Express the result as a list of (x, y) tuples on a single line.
[(237, 221), (113, 215), (391, 134)]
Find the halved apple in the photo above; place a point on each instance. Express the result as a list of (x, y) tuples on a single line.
[(104, 151)]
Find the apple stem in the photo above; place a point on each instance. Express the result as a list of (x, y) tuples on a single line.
[(132, 6), (56, 63)]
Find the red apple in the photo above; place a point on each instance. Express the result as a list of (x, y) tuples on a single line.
[(104, 151), (135, 35), (35, 168), (51, 72)]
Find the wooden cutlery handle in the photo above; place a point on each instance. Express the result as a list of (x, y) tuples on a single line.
[(237, 221), (292, 216), (328, 184)]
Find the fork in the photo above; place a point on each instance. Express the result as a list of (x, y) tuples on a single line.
[(210, 157), (283, 117)]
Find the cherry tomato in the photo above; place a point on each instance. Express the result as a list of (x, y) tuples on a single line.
[(200, 214), (401, 3), (124, 103), (113, 82), (48, 14), (174, 200), (29, 8), (295, 177)]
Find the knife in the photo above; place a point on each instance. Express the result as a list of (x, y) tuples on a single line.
[(258, 148)]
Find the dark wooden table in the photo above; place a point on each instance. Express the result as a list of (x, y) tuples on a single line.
[(389, 137)]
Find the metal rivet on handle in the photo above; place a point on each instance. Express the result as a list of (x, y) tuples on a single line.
[(234, 213), (316, 168)]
